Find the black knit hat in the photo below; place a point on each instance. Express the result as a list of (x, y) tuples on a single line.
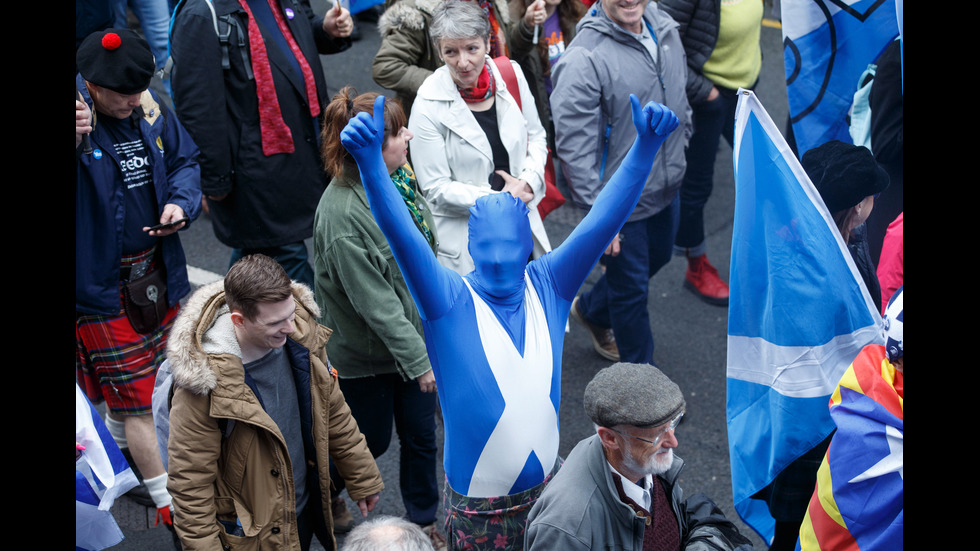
[(632, 394), (117, 59), (844, 174)]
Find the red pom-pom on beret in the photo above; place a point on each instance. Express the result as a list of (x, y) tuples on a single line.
[(111, 41), (117, 59)]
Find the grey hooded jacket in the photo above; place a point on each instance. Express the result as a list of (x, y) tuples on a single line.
[(594, 78)]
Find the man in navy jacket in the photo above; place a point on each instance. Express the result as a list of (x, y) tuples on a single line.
[(137, 184)]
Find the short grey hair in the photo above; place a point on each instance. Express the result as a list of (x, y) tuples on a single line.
[(456, 19), (387, 533)]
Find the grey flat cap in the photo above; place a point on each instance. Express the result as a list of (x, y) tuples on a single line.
[(632, 394)]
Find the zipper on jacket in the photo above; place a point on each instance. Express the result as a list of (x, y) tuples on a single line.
[(658, 67), (605, 151)]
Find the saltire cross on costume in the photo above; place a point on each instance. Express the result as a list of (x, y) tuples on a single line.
[(827, 44), (798, 315), (101, 475)]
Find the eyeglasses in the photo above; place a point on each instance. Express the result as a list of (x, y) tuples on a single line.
[(673, 425)]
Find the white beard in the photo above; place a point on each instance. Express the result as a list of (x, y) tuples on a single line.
[(656, 464)]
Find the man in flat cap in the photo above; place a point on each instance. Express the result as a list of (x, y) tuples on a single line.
[(137, 184), (618, 488)]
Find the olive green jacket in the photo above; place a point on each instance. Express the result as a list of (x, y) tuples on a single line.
[(360, 290)]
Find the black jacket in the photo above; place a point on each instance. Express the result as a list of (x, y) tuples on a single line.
[(699, 21), (270, 200)]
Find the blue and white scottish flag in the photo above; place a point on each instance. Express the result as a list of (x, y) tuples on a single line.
[(101, 475), (827, 44), (798, 312)]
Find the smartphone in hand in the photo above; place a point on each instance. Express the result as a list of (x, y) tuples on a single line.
[(168, 225)]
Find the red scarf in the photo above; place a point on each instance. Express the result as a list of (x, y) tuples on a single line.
[(276, 136), (483, 90)]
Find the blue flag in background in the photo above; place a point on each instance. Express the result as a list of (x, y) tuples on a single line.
[(798, 312), (827, 44), (357, 6)]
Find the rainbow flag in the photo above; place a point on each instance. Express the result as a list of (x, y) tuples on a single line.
[(858, 501)]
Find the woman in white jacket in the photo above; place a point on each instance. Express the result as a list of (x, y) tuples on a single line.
[(472, 138)]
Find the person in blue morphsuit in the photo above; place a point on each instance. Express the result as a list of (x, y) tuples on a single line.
[(495, 336)]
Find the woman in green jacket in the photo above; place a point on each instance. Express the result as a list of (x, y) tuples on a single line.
[(377, 347)]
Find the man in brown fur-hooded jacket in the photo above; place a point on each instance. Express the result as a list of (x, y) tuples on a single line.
[(407, 55), (256, 417)]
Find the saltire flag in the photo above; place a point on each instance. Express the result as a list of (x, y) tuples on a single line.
[(858, 503), (798, 312), (827, 44), (101, 475)]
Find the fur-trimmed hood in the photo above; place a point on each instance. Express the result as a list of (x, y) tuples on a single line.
[(202, 328), (406, 15)]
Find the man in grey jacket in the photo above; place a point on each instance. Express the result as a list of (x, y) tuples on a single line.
[(618, 488), (622, 48)]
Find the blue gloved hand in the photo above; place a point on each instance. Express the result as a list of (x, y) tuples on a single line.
[(654, 122), (363, 136)]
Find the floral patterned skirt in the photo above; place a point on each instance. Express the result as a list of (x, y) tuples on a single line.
[(490, 523)]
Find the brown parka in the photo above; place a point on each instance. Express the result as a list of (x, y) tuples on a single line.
[(240, 468)]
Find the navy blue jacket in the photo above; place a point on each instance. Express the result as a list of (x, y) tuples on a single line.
[(99, 208)]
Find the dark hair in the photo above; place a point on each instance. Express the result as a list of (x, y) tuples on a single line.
[(253, 280), (342, 108)]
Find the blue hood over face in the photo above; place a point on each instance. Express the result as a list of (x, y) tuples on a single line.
[(500, 243)]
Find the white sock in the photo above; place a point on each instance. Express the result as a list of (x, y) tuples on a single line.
[(118, 431), (157, 487)]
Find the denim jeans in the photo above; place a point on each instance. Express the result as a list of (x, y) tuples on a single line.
[(375, 402), (712, 119), (619, 298), (294, 258), (154, 18)]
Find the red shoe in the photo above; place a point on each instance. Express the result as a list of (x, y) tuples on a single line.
[(702, 280)]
